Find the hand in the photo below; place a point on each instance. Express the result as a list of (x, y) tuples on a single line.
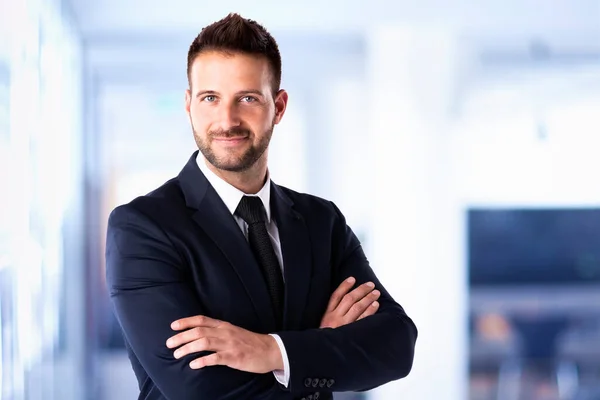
[(344, 307), (232, 346)]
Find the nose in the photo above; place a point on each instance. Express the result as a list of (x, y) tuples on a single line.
[(229, 117)]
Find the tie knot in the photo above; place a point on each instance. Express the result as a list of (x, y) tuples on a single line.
[(251, 210)]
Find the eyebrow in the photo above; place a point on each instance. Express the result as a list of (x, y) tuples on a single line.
[(240, 93)]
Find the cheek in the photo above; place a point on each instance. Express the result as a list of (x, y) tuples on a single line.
[(261, 119), (197, 113), (200, 120)]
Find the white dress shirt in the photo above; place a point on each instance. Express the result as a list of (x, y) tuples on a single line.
[(232, 196)]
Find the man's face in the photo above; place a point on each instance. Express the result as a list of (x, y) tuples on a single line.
[(232, 108)]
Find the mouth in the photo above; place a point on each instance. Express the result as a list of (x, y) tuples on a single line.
[(230, 140)]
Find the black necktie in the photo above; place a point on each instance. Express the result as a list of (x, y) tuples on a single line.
[(252, 211)]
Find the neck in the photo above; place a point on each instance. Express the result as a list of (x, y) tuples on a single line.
[(249, 181)]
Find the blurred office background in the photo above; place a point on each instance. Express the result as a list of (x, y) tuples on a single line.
[(460, 138)]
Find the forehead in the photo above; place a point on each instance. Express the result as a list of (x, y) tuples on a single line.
[(213, 69)]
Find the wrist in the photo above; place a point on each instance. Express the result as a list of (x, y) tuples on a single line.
[(274, 354)]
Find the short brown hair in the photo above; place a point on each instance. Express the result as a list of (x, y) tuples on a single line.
[(237, 34)]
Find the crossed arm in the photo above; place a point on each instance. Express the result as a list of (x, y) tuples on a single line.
[(247, 351), (221, 360)]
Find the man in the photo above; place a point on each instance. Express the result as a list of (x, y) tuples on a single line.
[(228, 286)]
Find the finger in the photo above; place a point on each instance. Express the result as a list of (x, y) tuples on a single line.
[(206, 343), (189, 336), (356, 295), (371, 310), (209, 360), (339, 293), (360, 306), (192, 322)]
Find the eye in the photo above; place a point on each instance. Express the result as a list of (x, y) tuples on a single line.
[(209, 98), (248, 99)]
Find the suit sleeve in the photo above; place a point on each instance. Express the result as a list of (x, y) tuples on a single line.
[(359, 356), (149, 290)]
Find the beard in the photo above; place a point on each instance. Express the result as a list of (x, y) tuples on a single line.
[(231, 162)]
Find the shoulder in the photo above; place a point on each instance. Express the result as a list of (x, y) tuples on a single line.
[(156, 205), (311, 205)]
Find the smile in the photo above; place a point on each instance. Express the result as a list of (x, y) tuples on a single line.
[(230, 140)]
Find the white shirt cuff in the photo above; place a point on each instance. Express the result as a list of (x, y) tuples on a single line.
[(282, 377)]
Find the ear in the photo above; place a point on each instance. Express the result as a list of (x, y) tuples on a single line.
[(281, 100), (188, 101)]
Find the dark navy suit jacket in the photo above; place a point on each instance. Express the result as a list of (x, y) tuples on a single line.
[(178, 252)]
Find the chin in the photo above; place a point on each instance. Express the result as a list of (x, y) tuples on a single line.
[(233, 167), (227, 164)]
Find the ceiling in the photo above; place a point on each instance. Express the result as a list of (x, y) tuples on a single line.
[(115, 17), (151, 38)]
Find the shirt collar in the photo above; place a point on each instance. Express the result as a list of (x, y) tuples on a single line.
[(231, 195)]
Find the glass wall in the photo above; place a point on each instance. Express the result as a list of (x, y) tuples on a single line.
[(40, 151)]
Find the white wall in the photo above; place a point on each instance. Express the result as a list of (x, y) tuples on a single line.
[(543, 153), (413, 245)]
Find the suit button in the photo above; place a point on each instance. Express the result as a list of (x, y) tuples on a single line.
[(315, 382), (330, 383), (322, 382), (307, 382), (316, 396)]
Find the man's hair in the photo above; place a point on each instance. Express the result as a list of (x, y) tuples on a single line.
[(235, 34)]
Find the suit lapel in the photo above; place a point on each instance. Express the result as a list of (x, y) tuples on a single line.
[(297, 257), (215, 219)]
